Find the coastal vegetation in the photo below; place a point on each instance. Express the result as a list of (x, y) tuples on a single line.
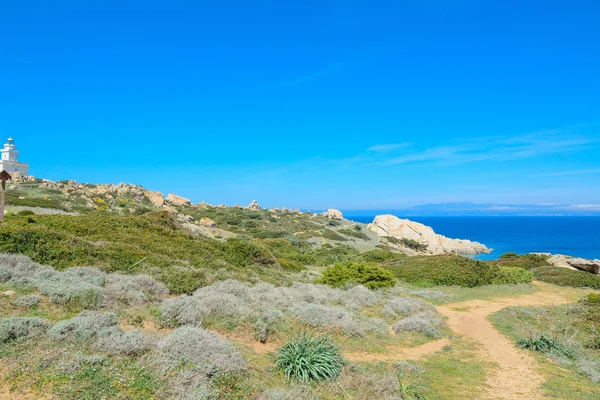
[(119, 298)]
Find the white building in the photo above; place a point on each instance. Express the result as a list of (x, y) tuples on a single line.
[(10, 159)]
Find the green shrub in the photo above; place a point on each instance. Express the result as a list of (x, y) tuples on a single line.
[(183, 280), (25, 212), (354, 233), (566, 277), (372, 277), (291, 265), (308, 357), (331, 235), (442, 270), (380, 255), (511, 275), (525, 261)]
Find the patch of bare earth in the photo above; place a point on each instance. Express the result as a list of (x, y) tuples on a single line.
[(516, 376)]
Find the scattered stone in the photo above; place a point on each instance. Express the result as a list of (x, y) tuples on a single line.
[(195, 229), (574, 263), (9, 293)]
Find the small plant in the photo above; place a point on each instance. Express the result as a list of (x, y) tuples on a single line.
[(409, 388), (547, 345), (413, 244), (371, 276), (310, 357), (512, 275)]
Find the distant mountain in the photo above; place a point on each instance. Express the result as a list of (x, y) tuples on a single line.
[(488, 209)]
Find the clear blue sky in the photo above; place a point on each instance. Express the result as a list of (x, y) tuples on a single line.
[(309, 104)]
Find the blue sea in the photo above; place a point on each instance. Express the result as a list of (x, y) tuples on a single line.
[(574, 236)]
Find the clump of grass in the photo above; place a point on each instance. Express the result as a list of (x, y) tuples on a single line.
[(371, 276), (544, 344), (22, 328), (310, 357)]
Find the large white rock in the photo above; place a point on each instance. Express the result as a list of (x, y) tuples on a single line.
[(332, 213), (254, 206), (583, 264), (390, 225), (156, 198)]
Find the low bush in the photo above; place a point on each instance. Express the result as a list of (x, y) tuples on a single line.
[(26, 301), (130, 343), (354, 233), (343, 274), (404, 306), (426, 322), (380, 255), (444, 270), (525, 261), (338, 319), (308, 357), (25, 212), (413, 244), (183, 280), (566, 277), (512, 275), (22, 328), (83, 326), (332, 235), (200, 350)]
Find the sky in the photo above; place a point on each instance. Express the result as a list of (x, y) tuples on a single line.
[(348, 104)]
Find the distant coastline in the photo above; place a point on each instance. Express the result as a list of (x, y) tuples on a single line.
[(571, 235)]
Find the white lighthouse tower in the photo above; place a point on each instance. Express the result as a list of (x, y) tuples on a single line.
[(10, 159)]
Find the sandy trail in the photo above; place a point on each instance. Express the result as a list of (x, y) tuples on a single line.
[(516, 376)]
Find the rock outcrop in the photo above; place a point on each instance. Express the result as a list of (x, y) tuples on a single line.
[(178, 200), (254, 206), (392, 226), (209, 223), (582, 264), (332, 213), (156, 198)]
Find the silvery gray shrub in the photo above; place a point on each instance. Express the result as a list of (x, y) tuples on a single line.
[(22, 328)]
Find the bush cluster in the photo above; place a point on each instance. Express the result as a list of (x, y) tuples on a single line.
[(444, 270), (80, 287), (425, 322), (525, 261), (22, 328), (343, 274), (566, 277)]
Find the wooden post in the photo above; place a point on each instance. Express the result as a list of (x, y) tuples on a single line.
[(4, 176)]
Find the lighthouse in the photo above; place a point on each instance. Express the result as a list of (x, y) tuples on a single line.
[(10, 159)]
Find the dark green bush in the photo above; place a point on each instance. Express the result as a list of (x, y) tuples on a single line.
[(290, 265), (183, 280), (546, 345), (380, 255), (371, 276), (566, 277), (309, 357), (525, 261), (441, 270), (25, 212), (511, 275)]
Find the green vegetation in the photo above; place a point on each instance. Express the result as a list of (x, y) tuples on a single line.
[(512, 275), (310, 357), (525, 261), (343, 274), (446, 270), (567, 277)]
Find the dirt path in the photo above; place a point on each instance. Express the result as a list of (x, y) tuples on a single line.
[(516, 376)]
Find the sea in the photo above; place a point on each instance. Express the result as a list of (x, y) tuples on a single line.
[(573, 236)]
